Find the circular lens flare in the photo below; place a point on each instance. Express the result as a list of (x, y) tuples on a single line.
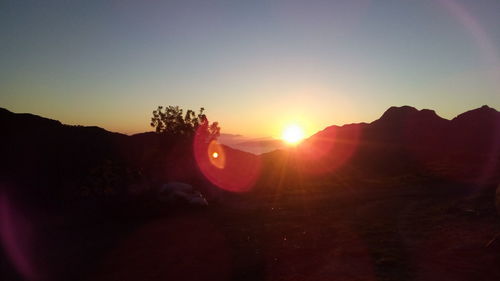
[(226, 168), (293, 134), (216, 155)]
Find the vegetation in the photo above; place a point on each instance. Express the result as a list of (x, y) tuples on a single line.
[(171, 120)]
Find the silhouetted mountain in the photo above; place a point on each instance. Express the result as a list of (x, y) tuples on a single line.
[(53, 162), (407, 140), (477, 129), (50, 162), (400, 114)]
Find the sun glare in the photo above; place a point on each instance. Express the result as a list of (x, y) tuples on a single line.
[(293, 134)]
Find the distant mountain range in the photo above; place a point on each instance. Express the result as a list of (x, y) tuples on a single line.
[(44, 154), (407, 140), (423, 133), (253, 145)]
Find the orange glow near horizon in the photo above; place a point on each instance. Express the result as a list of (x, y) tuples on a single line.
[(293, 134)]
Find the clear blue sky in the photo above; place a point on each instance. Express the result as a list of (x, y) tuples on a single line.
[(254, 65)]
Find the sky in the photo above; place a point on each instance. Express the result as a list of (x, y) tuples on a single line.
[(255, 66)]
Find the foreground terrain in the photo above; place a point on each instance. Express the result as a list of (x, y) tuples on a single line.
[(424, 231), (410, 196)]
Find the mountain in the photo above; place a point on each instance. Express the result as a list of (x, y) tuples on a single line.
[(53, 162), (259, 145), (407, 140), (253, 145)]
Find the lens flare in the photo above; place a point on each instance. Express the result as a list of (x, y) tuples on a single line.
[(216, 155), (16, 232), (227, 168)]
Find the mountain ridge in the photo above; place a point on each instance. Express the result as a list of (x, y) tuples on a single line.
[(402, 140)]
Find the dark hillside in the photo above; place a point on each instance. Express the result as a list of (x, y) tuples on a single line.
[(53, 163), (403, 142)]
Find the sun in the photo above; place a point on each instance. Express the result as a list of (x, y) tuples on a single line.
[(292, 134)]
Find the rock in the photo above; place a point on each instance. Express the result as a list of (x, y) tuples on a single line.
[(174, 192)]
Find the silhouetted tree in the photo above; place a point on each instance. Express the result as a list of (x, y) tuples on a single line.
[(171, 120)]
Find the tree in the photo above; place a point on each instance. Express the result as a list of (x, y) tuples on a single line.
[(171, 120)]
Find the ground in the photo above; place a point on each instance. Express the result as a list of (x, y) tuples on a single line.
[(419, 231)]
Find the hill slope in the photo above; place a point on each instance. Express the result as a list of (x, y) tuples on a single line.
[(405, 141)]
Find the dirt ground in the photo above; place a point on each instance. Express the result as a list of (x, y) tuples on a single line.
[(320, 232)]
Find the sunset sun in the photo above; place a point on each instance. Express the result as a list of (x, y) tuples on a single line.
[(292, 134)]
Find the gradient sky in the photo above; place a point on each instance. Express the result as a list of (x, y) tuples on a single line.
[(254, 65)]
